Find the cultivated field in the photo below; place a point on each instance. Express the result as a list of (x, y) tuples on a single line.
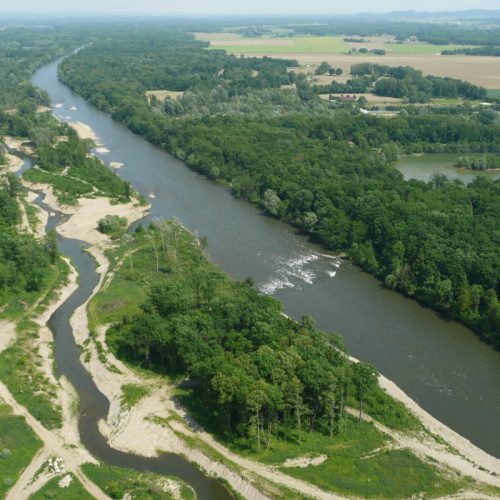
[(282, 45), (310, 51)]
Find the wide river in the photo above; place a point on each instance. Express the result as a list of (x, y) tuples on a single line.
[(439, 363)]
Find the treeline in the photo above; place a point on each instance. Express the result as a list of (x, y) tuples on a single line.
[(24, 261), (484, 162), (333, 178), (256, 372), (22, 51), (68, 165), (404, 81), (358, 85), (435, 33), (473, 51)]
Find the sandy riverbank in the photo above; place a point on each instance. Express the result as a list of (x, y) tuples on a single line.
[(19, 145), (13, 164), (83, 130), (131, 430), (63, 442), (471, 460)]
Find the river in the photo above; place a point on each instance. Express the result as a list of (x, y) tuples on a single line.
[(93, 405), (439, 363)]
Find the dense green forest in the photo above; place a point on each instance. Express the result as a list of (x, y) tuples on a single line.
[(328, 171), (257, 373), (484, 162), (25, 262)]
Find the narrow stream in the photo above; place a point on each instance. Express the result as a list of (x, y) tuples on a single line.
[(93, 405), (439, 363)]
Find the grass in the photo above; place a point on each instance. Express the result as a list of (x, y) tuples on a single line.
[(128, 289), (18, 446), (349, 469), (68, 190), (19, 370), (53, 491), (418, 48), (388, 474), (308, 44), (20, 363), (118, 482), (284, 45), (132, 394)]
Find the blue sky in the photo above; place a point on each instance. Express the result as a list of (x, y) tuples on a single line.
[(195, 7)]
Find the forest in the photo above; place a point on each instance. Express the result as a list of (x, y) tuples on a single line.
[(329, 171), (256, 372), (25, 262), (484, 162)]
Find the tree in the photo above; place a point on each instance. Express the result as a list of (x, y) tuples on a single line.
[(51, 246), (271, 202), (364, 378), (293, 395)]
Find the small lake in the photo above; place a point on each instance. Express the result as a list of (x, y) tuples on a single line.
[(422, 167)]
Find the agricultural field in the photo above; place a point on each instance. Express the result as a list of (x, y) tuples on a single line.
[(282, 45), (310, 51)]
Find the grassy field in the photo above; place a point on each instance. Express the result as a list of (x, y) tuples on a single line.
[(297, 44), (283, 45), (19, 363), (311, 51), (18, 446), (133, 276), (418, 48), (118, 482), (357, 459), (27, 383), (53, 491), (132, 394)]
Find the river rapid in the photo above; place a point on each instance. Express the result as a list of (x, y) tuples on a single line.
[(439, 363)]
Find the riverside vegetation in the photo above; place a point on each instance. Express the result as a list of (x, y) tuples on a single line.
[(323, 167), (31, 269), (268, 387), (220, 334)]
